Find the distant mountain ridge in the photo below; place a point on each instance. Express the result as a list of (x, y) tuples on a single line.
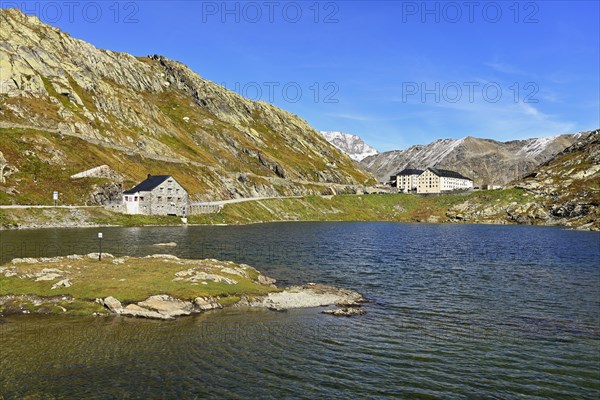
[(350, 144), (486, 161), (565, 190)]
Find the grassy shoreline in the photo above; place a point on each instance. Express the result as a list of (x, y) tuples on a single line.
[(488, 207)]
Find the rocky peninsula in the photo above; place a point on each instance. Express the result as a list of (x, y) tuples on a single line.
[(159, 286)]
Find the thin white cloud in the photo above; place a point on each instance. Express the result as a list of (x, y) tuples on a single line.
[(506, 68), (352, 117)]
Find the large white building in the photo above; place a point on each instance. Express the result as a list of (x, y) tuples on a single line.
[(406, 180), (435, 180)]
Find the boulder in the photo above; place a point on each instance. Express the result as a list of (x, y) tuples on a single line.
[(166, 305), (207, 303), (47, 277), (112, 304), (64, 283), (265, 280), (310, 295), (135, 310), (163, 256), (94, 256)]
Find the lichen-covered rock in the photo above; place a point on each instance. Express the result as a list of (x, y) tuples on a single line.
[(207, 303), (310, 295), (265, 280), (63, 283), (112, 304), (134, 310), (167, 305)]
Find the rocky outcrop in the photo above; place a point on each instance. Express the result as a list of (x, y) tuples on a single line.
[(265, 280), (207, 303), (6, 169), (568, 186), (310, 295), (167, 305), (112, 304), (103, 194), (345, 312), (563, 191)]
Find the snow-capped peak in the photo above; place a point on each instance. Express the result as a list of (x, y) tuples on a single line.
[(350, 144), (536, 146)]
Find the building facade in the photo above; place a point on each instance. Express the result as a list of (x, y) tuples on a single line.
[(157, 195), (406, 180), (435, 180)]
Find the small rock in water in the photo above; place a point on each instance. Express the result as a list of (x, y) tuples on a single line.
[(169, 244), (345, 312)]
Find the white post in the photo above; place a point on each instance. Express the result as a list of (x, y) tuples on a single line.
[(100, 244)]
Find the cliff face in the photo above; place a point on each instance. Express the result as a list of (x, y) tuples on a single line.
[(142, 115), (487, 162)]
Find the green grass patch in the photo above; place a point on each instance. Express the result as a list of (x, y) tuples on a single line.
[(134, 280)]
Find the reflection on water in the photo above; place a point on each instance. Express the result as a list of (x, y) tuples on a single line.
[(455, 311)]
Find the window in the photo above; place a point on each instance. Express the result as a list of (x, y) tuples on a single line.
[(141, 198), (159, 198), (135, 198)]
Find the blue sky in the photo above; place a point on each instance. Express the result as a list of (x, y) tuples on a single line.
[(396, 73)]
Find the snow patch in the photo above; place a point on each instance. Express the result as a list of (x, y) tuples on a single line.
[(535, 147)]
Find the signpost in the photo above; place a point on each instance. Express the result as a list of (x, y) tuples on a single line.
[(55, 197), (100, 244)]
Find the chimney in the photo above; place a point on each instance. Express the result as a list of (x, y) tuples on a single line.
[(149, 176)]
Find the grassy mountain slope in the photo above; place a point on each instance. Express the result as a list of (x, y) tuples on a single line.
[(66, 106)]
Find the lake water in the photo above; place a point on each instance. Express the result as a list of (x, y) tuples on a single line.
[(455, 311)]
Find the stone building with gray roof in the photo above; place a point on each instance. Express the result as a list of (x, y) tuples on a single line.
[(157, 195)]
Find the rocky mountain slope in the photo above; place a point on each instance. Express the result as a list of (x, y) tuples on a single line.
[(67, 107), (562, 191), (486, 161), (350, 144)]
